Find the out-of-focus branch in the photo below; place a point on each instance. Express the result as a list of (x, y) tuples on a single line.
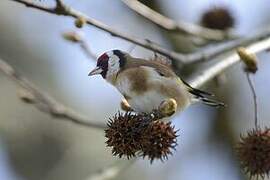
[(223, 63), (212, 52), (63, 9), (112, 171), (44, 102), (87, 50), (38, 6), (173, 26)]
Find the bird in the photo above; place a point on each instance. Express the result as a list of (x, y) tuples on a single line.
[(146, 84)]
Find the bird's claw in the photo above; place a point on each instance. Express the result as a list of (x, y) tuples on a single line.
[(125, 106)]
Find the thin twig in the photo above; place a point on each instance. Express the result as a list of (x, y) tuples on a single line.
[(173, 26), (204, 55), (202, 77), (87, 50), (46, 103), (63, 9), (251, 85), (111, 171), (77, 37), (37, 5)]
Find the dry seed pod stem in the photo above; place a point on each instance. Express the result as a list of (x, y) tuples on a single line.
[(251, 85)]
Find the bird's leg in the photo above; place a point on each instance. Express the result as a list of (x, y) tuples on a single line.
[(125, 106), (168, 107)]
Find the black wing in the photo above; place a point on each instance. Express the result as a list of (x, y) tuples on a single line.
[(201, 95), (196, 92)]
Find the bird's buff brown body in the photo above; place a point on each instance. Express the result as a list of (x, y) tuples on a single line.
[(145, 84)]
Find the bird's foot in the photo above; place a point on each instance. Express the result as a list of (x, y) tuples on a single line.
[(125, 106), (168, 107)]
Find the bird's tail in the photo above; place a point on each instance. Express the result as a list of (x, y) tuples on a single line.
[(203, 97)]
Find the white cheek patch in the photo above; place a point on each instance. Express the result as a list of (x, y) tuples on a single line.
[(113, 65)]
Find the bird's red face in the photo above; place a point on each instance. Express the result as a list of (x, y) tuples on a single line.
[(102, 65), (109, 63)]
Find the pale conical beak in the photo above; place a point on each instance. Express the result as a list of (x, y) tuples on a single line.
[(95, 71)]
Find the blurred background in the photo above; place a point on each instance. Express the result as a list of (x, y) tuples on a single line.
[(34, 146)]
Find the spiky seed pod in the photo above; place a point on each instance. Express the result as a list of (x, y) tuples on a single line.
[(124, 134), (253, 151), (129, 134), (159, 138), (218, 18)]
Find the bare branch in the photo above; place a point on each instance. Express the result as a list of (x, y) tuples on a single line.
[(173, 26), (204, 55), (44, 102), (112, 171), (223, 63), (36, 5), (62, 9)]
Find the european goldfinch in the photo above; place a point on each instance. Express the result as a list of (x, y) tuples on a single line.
[(146, 84)]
